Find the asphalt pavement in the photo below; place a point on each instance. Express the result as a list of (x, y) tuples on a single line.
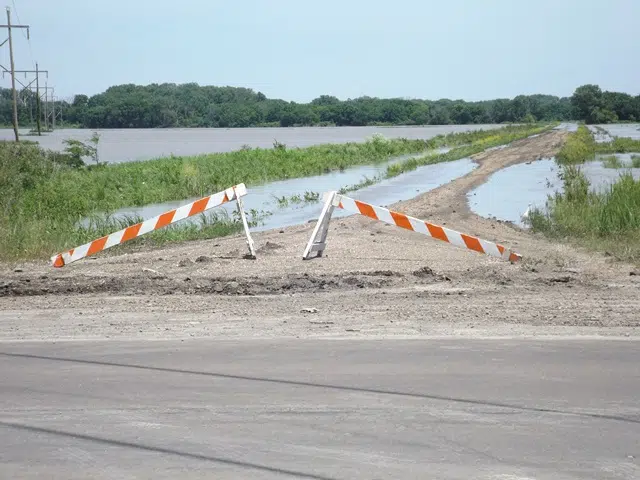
[(325, 409)]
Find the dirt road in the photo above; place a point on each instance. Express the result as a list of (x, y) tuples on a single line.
[(375, 280)]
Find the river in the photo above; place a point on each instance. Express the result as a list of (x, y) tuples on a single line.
[(125, 145)]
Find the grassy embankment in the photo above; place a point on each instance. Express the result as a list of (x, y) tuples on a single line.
[(43, 200), (607, 220)]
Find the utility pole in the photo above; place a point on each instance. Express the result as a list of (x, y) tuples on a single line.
[(38, 100), (13, 78), (53, 110), (8, 26), (37, 71), (59, 114), (46, 104)]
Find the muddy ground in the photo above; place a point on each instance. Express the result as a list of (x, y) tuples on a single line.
[(375, 280)]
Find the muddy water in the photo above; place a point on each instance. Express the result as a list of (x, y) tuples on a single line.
[(569, 127), (389, 191), (606, 133), (262, 198), (508, 193), (631, 130), (125, 145), (600, 136)]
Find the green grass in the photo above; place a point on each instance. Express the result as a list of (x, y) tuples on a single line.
[(44, 199), (307, 197), (619, 145), (365, 182), (607, 220), (579, 148), (612, 161)]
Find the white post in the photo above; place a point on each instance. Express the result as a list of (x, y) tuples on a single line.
[(318, 240), (252, 250)]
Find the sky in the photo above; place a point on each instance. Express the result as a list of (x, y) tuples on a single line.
[(299, 49)]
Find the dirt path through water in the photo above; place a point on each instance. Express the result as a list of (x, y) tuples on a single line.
[(375, 280)]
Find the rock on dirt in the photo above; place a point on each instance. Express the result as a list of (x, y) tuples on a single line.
[(269, 247), (154, 274)]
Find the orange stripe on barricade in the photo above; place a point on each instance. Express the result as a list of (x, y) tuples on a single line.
[(401, 220), (472, 243), (165, 219), (198, 206), (437, 232), (97, 246), (131, 232), (366, 210), (58, 262)]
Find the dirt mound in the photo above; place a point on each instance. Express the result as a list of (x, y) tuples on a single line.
[(156, 283)]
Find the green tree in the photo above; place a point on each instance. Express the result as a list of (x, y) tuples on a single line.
[(584, 100), (77, 150), (601, 115), (325, 100), (191, 105), (621, 104)]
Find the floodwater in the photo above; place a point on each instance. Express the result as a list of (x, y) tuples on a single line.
[(569, 127), (600, 136), (631, 130), (262, 198), (509, 192), (126, 145), (506, 195)]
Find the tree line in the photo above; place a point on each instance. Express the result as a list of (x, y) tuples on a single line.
[(191, 105)]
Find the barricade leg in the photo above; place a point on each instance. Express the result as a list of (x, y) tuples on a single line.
[(245, 224), (318, 240)]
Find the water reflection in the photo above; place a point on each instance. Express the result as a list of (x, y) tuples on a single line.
[(508, 193)]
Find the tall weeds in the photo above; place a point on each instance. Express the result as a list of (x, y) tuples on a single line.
[(579, 148), (619, 145), (607, 220), (612, 161)]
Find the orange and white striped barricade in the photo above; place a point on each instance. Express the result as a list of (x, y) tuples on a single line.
[(318, 241), (156, 223)]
